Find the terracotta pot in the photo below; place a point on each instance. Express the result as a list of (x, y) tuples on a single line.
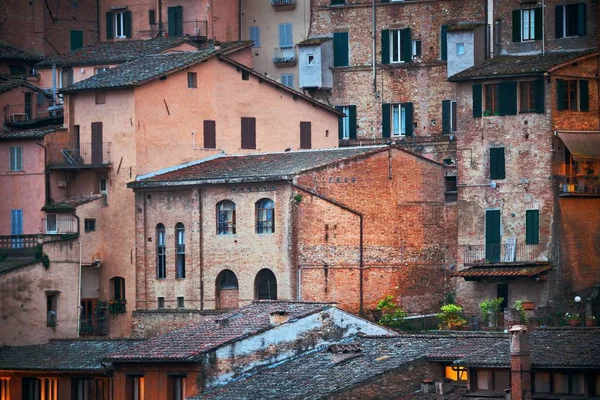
[(590, 322), (528, 305), (574, 322)]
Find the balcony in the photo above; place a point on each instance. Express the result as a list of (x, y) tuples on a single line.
[(285, 56), (195, 29), (87, 156), (55, 225), (32, 115), (283, 5), (509, 252), (93, 326), (18, 245), (578, 186)]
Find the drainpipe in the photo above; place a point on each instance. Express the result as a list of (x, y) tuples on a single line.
[(360, 262), (543, 27), (240, 20), (374, 58), (79, 289), (46, 174), (53, 84)]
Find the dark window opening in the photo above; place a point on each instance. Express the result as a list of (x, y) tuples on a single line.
[(527, 96), (161, 302), (117, 288), (248, 133), (227, 280), (180, 250), (245, 75), (192, 79), (161, 253), (305, 135), (51, 309), (89, 225), (210, 135), (180, 302), (451, 193), (502, 292), (497, 167), (265, 285), (226, 218)]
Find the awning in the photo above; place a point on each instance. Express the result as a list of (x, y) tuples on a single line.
[(511, 271), (582, 144)]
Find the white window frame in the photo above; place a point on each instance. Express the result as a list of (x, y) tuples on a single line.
[(16, 159), (98, 70), (414, 48), (257, 39), (453, 123), (120, 24), (49, 218), (528, 25), (285, 79), (398, 123), (346, 123), (396, 34), (105, 190)]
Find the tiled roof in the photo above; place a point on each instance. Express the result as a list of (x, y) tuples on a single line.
[(28, 134), (61, 355), (550, 348), (315, 41), (8, 84), (116, 52), (508, 66), (70, 203), (465, 26), (316, 375), (482, 271), (255, 167), (186, 344), (8, 52)]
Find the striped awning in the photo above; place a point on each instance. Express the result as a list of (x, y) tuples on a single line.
[(504, 271), (582, 144)]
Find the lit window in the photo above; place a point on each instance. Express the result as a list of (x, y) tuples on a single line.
[(135, 388), (457, 373), (4, 388)]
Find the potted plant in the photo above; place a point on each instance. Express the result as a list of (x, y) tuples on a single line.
[(489, 311), (117, 306), (451, 317), (574, 319), (521, 312), (590, 321)]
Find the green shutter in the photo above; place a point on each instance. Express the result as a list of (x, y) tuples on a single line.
[(406, 45), (492, 235), (409, 118), (508, 98), (558, 21), (477, 101), (561, 90), (539, 23), (446, 116), (171, 21), (352, 116), (340, 49), (497, 167), (127, 24), (444, 42), (179, 20), (581, 20), (584, 95), (516, 25), (338, 2), (340, 123), (110, 29), (539, 96), (532, 226), (385, 120), (385, 46), (76, 40)]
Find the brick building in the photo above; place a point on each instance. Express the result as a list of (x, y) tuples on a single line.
[(295, 225)]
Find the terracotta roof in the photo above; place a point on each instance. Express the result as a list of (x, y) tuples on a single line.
[(254, 167), (510, 66), (315, 41), (71, 203), (187, 344), (582, 144), (9, 52), (61, 355), (508, 270), (550, 348), (28, 134), (8, 84), (317, 375)]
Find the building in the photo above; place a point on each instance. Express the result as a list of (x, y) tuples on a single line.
[(295, 225), (275, 28), (17, 62)]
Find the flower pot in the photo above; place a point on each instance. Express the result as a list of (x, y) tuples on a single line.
[(590, 322), (574, 322), (528, 305)]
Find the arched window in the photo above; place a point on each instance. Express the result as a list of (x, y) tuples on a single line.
[(265, 216), (265, 285), (227, 290), (226, 217), (161, 253), (117, 288), (180, 250)]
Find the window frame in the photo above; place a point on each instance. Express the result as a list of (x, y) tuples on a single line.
[(15, 159), (396, 34), (527, 94), (89, 224), (161, 252), (401, 120), (346, 123), (571, 7), (179, 251), (117, 282), (192, 80), (160, 302), (265, 226), (571, 90), (180, 302), (119, 22), (492, 97), (529, 34), (416, 46), (285, 79), (5, 388), (228, 221), (49, 218)]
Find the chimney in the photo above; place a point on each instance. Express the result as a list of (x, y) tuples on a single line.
[(279, 317), (428, 386), (520, 363), (222, 322)]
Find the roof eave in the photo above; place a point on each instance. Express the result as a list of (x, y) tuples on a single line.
[(490, 77), (197, 182)]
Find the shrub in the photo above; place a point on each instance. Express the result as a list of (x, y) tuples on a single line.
[(392, 316), (451, 317), (521, 311), (489, 309)]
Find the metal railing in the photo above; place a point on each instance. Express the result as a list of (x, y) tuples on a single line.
[(509, 252), (283, 3), (284, 55), (578, 185), (55, 225), (18, 244), (17, 114), (195, 28), (94, 326), (87, 154)]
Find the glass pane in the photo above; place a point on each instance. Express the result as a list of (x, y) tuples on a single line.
[(561, 383), (526, 25), (483, 380), (396, 120), (403, 122), (577, 384), (395, 42)]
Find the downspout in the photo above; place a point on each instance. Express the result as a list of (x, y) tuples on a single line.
[(53, 84), (98, 19), (79, 290), (361, 247), (240, 20), (46, 174), (543, 27), (374, 58)]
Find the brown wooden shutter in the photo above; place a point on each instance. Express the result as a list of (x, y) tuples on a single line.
[(305, 135), (210, 135), (248, 133)]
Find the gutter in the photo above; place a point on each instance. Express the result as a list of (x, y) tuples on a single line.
[(46, 174)]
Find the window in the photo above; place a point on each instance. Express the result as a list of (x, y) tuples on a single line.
[(180, 250), (226, 218), (51, 307), (305, 135), (135, 388), (460, 49), (89, 225), (161, 253), (449, 116), (248, 133), (76, 40), (444, 42), (493, 380), (558, 383), (98, 70), (161, 302), (227, 290), (16, 158), (17, 70), (457, 373), (192, 80), (180, 302), (103, 183), (51, 225), (570, 20), (122, 24), (341, 54), (16, 227), (397, 120), (210, 134), (245, 75), (175, 21), (177, 388), (4, 388), (286, 36), (254, 35), (572, 95), (451, 192), (492, 99), (526, 96), (265, 217), (532, 226), (265, 285), (310, 60), (347, 124), (338, 2), (91, 389), (527, 24), (416, 49), (100, 97), (48, 388), (117, 288), (151, 18), (287, 80), (497, 170), (396, 46)]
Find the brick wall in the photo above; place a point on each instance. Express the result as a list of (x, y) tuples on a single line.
[(151, 323)]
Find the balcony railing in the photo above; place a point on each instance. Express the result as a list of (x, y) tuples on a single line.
[(196, 29), (31, 114), (94, 326), (18, 244), (55, 225), (94, 154), (580, 185), (510, 252), (284, 56), (282, 5)]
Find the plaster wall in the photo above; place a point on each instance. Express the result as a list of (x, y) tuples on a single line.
[(460, 62)]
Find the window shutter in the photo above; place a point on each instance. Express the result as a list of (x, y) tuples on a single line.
[(281, 35), (127, 24), (13, 222), (516, 25), (508, 98), (19, 157), (539, 96), (385, 120), (581, 19), (539, 23), (352, 121), (340, 49), (179, 20), (446, 116), (444, 42), (532, 226), (305, 135), (210, 137), (406, 46), (252, 132), (584, 95), (497, 168), (558, 21), (477, 101), (171, 21), (340, 123), (244, 133), (151, 17), (110, 29), (560, 95), (385, 46), (409, 118)]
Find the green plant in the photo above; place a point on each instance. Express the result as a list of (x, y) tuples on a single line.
[(487, 113), (117, 306), (41, 256), (451, 317), (392, 316), (489, 309), (450, 298), (297, 198), (521, 311), (101, 306)]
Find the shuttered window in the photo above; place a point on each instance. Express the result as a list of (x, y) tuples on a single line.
[(305, 135), (248, 133), (119, 26), (397, 120), (572, 95), (527, 24), (532, 227), (254, 35), (531, 96), (286, 35), (449, 115), (396, 46), (497, 168), (210, 135), (287, 80), (570, 20), (347, 124), (340, 49), (492, 99), (16, 158), (175, 21)]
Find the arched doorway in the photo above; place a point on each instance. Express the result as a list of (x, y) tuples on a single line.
[(265, 285), (227, 290)]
